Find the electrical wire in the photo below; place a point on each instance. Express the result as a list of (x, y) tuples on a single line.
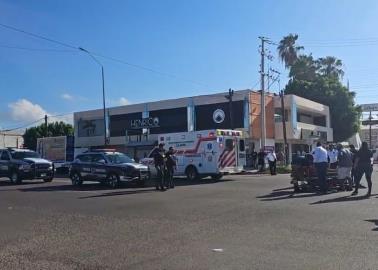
[(101, 55), (34, 122), (34, 49)]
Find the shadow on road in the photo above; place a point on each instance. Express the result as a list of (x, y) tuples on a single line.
[(375, 221), (119, 193), (343, 199), (283, 194), (7, 183), (93, 186)]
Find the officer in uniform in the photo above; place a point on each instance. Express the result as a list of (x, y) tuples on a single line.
[(170, 166), (159, 156)]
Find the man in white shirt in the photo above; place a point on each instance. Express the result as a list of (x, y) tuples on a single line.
[(321, 163), (332, 155), (272, 159)]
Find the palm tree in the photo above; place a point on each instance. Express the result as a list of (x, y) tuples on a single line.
[(288, 51), (331, 67), (304, 68)]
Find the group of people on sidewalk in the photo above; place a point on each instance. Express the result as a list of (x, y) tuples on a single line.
[(351, 165), (259, 160)]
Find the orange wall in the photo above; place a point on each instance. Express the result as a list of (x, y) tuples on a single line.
[(255, 115)]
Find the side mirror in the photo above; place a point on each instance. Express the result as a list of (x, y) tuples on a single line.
[(133, 160), (102, 161)]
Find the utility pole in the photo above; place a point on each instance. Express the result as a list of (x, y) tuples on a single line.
[(262, 80), (229, 98), (106, 139), (46, 127), (283, 117)]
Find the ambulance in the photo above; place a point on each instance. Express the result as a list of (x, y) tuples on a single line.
[(204, 153)]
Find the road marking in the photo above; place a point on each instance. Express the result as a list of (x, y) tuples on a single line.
[(217, 249)]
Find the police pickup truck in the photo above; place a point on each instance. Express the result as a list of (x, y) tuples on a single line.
[(23, 164), (107, 167)]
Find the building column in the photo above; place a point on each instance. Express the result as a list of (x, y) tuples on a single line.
[(290, 152)]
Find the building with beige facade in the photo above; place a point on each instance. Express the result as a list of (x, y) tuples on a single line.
[(135, 128)]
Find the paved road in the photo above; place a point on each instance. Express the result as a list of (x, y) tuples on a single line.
[(243, 222)]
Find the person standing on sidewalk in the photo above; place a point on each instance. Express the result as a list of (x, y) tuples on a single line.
[(363, 165), (261, 160), (321, 163), (272, 159)]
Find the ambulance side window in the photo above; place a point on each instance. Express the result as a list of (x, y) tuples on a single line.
[(229, 144), (241, 146)]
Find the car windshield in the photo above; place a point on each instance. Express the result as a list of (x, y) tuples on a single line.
[(118, 158), (24, 154)]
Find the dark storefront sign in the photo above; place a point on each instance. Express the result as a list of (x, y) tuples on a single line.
[(150, 122), (122, 122), (170, 120), (161, 121), (217, 115), (91, 128)]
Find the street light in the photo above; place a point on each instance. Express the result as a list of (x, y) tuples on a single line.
[(103, 90)]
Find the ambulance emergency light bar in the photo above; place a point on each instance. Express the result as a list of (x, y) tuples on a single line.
[(221, 132)]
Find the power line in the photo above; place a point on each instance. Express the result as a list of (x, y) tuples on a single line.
[(38, 36), (100, 55), (36, 121), (23, 126), (34, 49)]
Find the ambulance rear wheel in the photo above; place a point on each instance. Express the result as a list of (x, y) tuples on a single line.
[(192, 173)]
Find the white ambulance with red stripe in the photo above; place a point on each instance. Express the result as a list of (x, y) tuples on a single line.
[(204, 153)]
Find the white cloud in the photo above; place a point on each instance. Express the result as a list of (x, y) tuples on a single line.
[(24, 110), (66, 96), (123, 101)]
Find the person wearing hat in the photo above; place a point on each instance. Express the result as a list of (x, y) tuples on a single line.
[(159, 156)]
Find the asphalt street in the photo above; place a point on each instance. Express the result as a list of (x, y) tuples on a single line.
[(241, 222)]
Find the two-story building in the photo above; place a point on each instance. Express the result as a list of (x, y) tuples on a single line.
[(135, 128), (306, 122)]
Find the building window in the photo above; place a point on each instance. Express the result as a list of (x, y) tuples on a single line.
[(278, 115)]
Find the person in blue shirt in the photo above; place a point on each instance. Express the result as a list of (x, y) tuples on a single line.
[(321, 164)]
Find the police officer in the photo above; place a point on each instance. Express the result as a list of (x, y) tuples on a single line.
[(159, 156), (170, 166)]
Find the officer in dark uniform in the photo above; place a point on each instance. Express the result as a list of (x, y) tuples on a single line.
[(170, 166), (159, 156)]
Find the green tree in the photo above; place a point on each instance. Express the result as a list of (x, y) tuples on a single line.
[(344, 113), (319, 80), (288, 51), (305, 68), (53, 129), (331, 67)]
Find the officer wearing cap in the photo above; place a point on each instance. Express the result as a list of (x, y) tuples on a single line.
[(159, 156)]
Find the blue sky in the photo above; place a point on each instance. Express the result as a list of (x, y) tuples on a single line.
[(209, 46)]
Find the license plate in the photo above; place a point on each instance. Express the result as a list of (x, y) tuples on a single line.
[(43, 174)]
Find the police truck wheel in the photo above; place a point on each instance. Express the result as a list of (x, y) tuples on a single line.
[(113, 180), (76, 179), (15, 178), (191, 173)]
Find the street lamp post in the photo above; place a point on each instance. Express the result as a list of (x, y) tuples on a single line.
[(103, 91)]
